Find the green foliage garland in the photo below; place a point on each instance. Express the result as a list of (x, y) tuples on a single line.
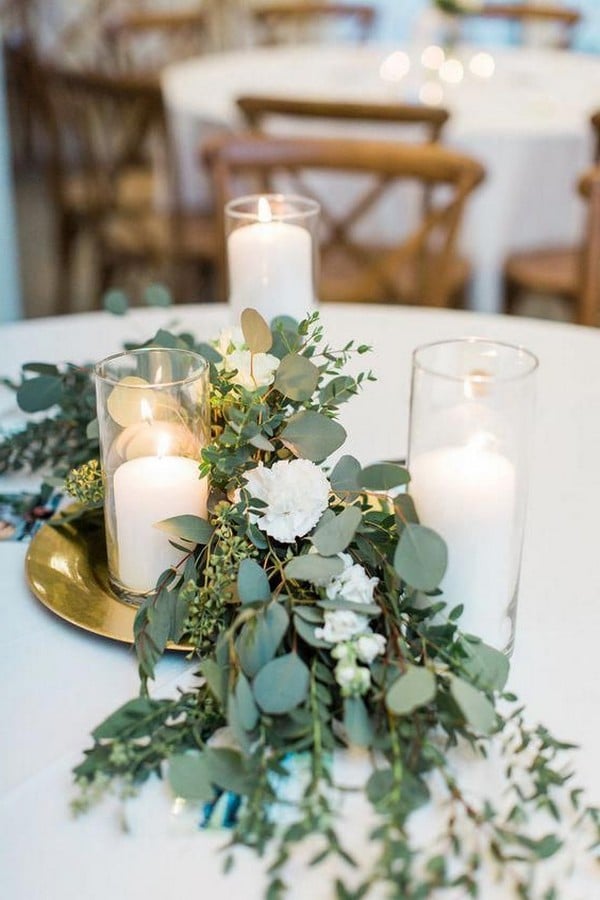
[(319, 625)]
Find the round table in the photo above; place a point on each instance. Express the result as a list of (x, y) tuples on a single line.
[(527, 123), (59, 682)]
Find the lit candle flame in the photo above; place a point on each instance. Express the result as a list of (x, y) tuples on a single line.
[(158, 375), (264, 210), (146, 411)]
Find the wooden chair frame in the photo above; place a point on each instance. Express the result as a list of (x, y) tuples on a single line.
[(527, 13), (175, 26), (256, 109), (588, 306), (273, 15), (430, 246), (107, 121)]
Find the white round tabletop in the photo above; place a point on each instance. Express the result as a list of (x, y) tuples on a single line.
[(59, 682), (528, 123)]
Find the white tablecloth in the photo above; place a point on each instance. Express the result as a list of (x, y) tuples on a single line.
[(528, 124), (59, 682)]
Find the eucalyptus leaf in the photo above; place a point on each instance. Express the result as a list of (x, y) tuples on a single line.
[(189, 777), (92, 431), (257, 333), (247, 709), (345, 475), (226, 769), (338, 390), (216, 677), (261, 443), (252, 583), (357, 723), (41, 368), (383, 477), (421, 557), (157, 295), (282, 684), (414, 688), (314, 568), (260, 638), (335, 535), (130, 718), (405, 511), (486, 666), (379, 785), (115, 302), (474, 705), (40, 393), (313, 436), (188, 528), (296, 377), (306, 630)]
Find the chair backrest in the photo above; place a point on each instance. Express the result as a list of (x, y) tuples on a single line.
[(277, 23), (243, 164), (99, 125), (529, 14), (147, 41), (595, 123), (589, 299), (257, 110)]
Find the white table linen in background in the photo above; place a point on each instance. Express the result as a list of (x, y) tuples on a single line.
[(528, 125), (58, 682)]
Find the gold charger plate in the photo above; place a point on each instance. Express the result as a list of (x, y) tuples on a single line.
[(66, 570)]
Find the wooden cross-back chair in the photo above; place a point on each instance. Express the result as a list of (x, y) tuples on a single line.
[(528, 14), (106, 132), (588, 305), (549, 271), (259, 109), (419, 267), (277, 23), (146, 41)]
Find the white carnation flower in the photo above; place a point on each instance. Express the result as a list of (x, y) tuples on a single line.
[(341, 625), (368, 646), (253, 371), (354, 680), (296, 493), (353, 584), (230, 339)]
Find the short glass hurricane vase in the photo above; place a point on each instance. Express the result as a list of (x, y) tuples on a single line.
[(272, 257), (472, 408), (154, 419)]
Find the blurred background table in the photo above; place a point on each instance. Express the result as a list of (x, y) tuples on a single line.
[(527, 124)]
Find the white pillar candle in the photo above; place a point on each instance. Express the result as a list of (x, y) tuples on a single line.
[(270, 268), (468, 495), (147, 490)]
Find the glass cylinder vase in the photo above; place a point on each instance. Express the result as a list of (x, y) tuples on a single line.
[(472, 404), (271, 254), (154, 419)]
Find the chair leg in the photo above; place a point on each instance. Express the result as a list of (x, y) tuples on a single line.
[(511, 294), (67, 234)]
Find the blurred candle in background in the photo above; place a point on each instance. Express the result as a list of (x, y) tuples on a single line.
[(270, 254)]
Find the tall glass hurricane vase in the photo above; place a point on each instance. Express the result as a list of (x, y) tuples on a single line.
[(153, 417), (472, 405), (271, 254)]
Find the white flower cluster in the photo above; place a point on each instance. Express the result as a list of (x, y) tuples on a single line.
[(296, 493), (354, 641), (253, 371)]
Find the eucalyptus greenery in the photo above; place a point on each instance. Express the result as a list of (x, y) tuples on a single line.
[(318, 625)]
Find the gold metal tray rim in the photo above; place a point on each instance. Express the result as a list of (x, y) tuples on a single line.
[(68, 574)]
